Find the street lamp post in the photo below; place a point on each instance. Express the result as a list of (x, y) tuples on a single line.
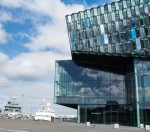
[(22, 101)]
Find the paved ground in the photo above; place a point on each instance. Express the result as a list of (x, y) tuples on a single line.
[(9, 125)]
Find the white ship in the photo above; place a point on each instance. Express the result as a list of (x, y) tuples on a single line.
[(12, 108), (45, 113)]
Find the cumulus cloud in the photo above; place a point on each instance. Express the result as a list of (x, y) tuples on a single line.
[(32, 73), (29, 74), (50, 36), (30, 95), (3, 61), (53, 34), (16, 3), (31, 66), (5, 16), (3, 35)]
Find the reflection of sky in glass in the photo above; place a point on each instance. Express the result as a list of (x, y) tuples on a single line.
[(91, 74), (146, 66), (142, 66), (90, 83), (147, 94), (138, 44)]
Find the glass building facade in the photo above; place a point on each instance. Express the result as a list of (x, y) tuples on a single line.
[(121, 27), (108, 78)]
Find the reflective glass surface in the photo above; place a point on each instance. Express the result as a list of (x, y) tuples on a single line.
[(94, 86), (128, 16), (108, 95), (142, 73)]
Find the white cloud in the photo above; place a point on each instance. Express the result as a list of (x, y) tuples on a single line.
[(3, 61), (53, 34), (50, 36), (32, 73), (15, 75), (16, 3), (5, 16), (3, 35), (33, 93), (32, 66)]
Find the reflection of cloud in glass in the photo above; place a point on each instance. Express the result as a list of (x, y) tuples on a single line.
[(116, 91), (146, 66), (141, 93), (102, 75), (91, 74), (147, 94), (78, 84), (116, 76), (138, 65)]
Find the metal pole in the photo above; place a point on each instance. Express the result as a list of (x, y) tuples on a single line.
[(22, 101)]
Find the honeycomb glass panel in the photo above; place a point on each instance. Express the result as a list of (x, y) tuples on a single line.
[(102, 9), (102, 19), (121, 5), (109, 17), (137, 11), (133, 11), (132, 2), (124, 4), (79, 16), (122, 23), (128, 13), (106, 8), (142, 32), (124, 13), (113, 16), (113, 6), (88, 22), (68, 18), (102, 39), (113, 48), (146, 9), (102, 29), (133, 33), (137, 2), (128, 3), (120, 14), (98, 10)]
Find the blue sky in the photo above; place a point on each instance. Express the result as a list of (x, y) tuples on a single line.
[(33, 35)]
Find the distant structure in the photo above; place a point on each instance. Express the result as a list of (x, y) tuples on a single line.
[(12, 108), (108, 78), (46, 113)]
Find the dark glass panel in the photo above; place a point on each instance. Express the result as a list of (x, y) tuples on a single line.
[(121, 5), (106, 8), (79, 88), (104, 89), (91, 89), (146, 79), (98, 10), (79, 73), (138, 66), (115, 76), (118, 92), (146, 67), (91, 74), (113, 8)]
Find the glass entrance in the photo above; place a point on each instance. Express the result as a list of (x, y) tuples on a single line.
[(104, 115)]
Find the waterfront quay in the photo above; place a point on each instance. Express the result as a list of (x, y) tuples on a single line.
[(11, 125)]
